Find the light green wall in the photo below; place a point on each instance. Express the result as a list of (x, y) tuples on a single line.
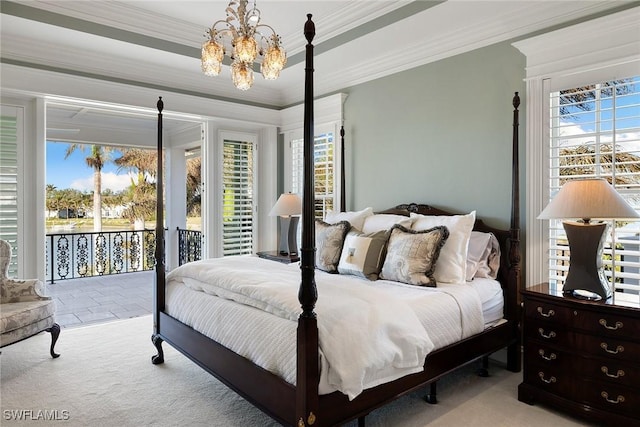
[(437, 134)]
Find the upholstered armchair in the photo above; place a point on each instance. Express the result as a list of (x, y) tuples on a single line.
[(24, 310)]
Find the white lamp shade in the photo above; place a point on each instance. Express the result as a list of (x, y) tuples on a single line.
[(288, 204), (588, 199)]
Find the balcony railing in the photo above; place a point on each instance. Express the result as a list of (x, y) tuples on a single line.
[(189, 246), (75, 255)]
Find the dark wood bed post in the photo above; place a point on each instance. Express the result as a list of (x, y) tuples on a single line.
[(308, 371), (343, 191), (160, 268), (513, 305)]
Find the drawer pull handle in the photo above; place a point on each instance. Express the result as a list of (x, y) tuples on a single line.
[(605, 371), (605, 347), (605, 395), (550, 313), (618, 325), (547, 336), (550, 380), (551, 356)]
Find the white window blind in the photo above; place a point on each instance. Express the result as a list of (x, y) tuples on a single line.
[(9, 185), (238, 192), (595, 132), (324, 162)]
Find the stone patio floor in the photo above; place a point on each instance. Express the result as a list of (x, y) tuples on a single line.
[(103, 298)]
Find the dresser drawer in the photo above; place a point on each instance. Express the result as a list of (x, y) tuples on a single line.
[(618, 399), (612, 371), (547, 355), (547, 311), (546, 332), (609, 324), (604, 346), (552, 379)]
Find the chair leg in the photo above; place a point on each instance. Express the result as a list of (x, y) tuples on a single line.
[(55, 333)]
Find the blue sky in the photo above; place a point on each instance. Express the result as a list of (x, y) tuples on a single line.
[(73, 172)]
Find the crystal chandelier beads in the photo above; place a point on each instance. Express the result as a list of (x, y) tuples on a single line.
[(212, 54), (242, 75), (245, 49), (241, 33), (274, 60)]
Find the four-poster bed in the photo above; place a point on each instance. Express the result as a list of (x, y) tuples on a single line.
[(299, 402)]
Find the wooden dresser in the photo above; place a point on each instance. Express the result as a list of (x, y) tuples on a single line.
[(582, 357)]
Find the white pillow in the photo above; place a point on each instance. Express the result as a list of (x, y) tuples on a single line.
[(383, 222), (483, 259), (452, 263), (355, 218)]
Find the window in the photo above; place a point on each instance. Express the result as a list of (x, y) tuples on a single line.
[(595, 132), (324, 176), (238, 197), (9, 138)]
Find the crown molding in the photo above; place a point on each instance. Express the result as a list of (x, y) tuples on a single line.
[(427, 36), (347, 18), (95, 65), (506, 24), (581, 47), (126, 17), (33, 83)]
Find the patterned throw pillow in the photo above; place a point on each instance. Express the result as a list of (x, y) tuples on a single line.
[(329, 241), (363, 254), (412, 255)]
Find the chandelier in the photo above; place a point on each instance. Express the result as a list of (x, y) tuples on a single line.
[(241, 34)]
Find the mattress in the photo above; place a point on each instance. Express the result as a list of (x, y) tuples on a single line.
[(491, 299), (270, 340)]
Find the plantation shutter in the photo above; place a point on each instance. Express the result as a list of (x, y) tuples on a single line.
[(238, 200), (323, 154), (595, 132), (9, 183)]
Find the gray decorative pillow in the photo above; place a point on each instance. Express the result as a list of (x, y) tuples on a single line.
[(329, 241), (412, 255), (363, 254)]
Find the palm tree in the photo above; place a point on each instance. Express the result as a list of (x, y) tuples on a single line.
[(141, 194), (96, 160), (52, 199), (583, 161), (194, 184), (581, 98)]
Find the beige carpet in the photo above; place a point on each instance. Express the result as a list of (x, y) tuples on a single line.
[(104, 377)]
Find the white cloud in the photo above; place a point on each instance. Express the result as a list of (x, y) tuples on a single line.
[(110, 180), (627, 140)]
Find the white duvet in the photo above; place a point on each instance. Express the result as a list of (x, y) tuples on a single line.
[(369, 332)]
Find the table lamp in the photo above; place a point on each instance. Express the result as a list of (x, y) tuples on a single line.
[(587, 199), (288, 208)]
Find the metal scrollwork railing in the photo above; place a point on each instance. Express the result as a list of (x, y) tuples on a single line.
[(75, 255), (189, 246)]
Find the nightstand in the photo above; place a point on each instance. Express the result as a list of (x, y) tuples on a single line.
[(582, 357), (277, 256)]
